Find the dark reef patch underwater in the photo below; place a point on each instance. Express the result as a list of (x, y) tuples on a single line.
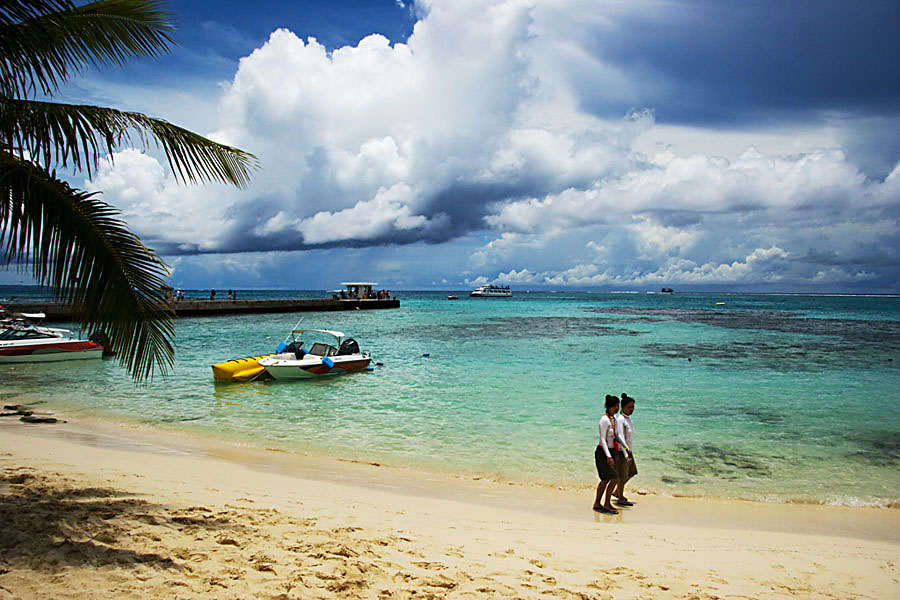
[(808, 344)]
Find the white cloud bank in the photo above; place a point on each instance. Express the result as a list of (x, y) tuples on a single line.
[(473, 137)]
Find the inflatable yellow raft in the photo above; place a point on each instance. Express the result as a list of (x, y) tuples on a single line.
[(240, 369)]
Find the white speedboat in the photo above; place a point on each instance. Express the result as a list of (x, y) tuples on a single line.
[(22, 342), (327, 353), (491, 291)]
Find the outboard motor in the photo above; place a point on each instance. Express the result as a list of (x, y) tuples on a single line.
[(349, 346), (102, 340)]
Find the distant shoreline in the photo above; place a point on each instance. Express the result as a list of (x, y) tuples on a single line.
[(37, 293)]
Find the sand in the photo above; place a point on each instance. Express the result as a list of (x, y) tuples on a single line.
[(104, 510)]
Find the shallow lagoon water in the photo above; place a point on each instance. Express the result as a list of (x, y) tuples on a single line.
[(781, 398)]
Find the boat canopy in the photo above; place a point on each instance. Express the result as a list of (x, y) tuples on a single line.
[(360, 289), (35, 316), (336, 334)]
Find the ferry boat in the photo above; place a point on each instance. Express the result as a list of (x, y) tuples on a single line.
[(489, 290)]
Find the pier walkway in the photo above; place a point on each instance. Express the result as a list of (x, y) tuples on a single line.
[(57, 311)]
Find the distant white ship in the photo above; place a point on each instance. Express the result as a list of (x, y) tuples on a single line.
[(492, 291)]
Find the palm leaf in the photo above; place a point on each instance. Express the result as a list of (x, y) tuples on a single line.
[(73, 242), (78, 246), (77, 136), (43, 42)]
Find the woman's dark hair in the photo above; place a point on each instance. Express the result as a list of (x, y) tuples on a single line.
[(611, 401), (626, 399)]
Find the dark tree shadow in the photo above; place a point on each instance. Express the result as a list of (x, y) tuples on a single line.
[(46, 525)]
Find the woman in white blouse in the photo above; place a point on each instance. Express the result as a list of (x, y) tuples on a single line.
[(604, 457), (625, 465)]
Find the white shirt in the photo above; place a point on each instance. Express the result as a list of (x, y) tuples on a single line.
[(625, 433), (607, 435)]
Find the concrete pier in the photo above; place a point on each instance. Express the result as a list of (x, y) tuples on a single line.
[(57, 311)]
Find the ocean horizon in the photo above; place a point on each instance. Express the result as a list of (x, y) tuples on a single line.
[(774, 397)]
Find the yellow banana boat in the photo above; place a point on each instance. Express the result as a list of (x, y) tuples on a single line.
[(240, 369)]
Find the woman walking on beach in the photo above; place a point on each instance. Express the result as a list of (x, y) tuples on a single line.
[(604, 457), (625, 465)]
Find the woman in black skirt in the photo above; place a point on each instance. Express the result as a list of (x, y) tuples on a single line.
[(604, 457)]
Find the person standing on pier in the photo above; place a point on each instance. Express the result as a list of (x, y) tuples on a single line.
[(212, 294)]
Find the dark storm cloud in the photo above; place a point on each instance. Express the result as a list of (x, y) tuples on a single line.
[(759, 60), (455, 211)]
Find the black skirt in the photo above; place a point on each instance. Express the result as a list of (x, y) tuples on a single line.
[(606, 472), (624, 467)]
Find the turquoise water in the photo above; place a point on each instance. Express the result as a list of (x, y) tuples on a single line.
[(780, 398)]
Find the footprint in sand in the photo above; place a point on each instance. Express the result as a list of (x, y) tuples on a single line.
[(432, 566), (227, 541)]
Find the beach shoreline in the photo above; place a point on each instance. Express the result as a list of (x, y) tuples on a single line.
[(752, 415), (194, 517)]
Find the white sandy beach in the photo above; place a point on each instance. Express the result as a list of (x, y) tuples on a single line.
[(100, 510)]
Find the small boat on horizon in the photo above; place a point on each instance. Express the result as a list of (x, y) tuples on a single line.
[(489, 290)]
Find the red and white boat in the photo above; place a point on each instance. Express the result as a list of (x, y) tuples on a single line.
[(293, 361), (24, 342)]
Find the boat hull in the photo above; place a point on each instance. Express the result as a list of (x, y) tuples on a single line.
[(313, 367), (50, 352)]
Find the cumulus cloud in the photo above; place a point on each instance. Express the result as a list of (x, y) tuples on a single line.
[(518, 135), (167, 215), (763, 265)]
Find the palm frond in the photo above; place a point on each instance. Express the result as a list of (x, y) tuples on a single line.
[(43, 42), (78, 136), (79, 247)]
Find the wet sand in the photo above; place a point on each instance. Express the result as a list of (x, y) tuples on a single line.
[(100, 510)]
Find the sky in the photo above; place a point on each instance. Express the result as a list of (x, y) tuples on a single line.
[(548, 145)]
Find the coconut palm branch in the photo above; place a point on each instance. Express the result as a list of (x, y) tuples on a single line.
[(44, 42), (74, 243), (70, 237), (78, 136)]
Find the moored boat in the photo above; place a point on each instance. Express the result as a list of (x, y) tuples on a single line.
[(23, 342), (336, 355), (240, 369)]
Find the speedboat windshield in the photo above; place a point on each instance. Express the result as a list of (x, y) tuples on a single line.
[(26, 333)]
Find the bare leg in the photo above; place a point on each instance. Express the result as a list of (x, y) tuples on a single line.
[(609, 491), (620, 492), (600, 487)]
